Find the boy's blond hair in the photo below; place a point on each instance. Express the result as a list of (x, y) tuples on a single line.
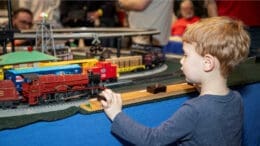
[(223, 38)]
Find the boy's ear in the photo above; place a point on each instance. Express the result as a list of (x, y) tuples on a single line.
[(208, 63)]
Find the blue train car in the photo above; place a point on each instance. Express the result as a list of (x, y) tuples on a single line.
[(17, 75)]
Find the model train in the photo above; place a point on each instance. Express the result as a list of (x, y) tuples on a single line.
[(16, 75), (38, 89), (125, 64), (50, 88), (9, 97), (64, 80)]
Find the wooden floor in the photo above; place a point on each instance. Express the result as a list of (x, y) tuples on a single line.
[(141, 96)]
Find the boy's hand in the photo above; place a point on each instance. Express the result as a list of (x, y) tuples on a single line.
[(113, 103)]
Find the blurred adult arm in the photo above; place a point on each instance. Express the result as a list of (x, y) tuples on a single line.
[(211, 8), (134, 5)]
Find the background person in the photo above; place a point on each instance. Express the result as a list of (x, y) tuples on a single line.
[(246, 11), (37, 7), (22, 20), (150, 14), (187, 16)]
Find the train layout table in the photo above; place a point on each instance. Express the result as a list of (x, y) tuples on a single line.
[(93, 128)]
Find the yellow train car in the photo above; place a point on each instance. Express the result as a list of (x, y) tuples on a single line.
[(1, 74), (128, 63), (124, 64), (2, 70)]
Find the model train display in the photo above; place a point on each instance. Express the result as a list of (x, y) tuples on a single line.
[(39, 89), (139, 61), (65, 80)]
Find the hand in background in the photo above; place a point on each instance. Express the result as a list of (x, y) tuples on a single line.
[(92, 16), (113, 104), (17, 43)]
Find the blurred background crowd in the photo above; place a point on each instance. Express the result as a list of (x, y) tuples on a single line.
[(109, 13)]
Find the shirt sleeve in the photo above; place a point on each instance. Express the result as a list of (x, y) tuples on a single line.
[(177, 128)]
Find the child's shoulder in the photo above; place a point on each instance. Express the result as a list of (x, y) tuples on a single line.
[(232, 96), (209, 103)]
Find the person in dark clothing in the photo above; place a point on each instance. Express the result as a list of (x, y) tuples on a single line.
[(74, 13), (89, 13), (84, 13), (22, 20), (212, 48)]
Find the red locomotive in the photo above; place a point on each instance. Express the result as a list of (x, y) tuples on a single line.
[(56, 88), (8, 94), (38, 89)]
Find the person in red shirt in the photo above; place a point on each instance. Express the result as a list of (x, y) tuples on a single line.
[(187, 17), (245, 10)]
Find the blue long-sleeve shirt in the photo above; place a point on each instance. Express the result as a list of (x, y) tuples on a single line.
[(207, 120)]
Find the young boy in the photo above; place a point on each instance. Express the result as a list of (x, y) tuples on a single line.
[(212, 47)]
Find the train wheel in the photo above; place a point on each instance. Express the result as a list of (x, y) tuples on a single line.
[(49, 98), (76, 94), (85, 95), (113, 80), (148, 67), (41, 100), (59, 97), (7, 104), (69, 96)]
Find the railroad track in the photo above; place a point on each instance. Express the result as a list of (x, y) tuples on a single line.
[(158, 78), (28, 110), (137, 83)]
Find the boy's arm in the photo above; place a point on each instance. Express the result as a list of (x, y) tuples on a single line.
[(180, 125), (134, 5)]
